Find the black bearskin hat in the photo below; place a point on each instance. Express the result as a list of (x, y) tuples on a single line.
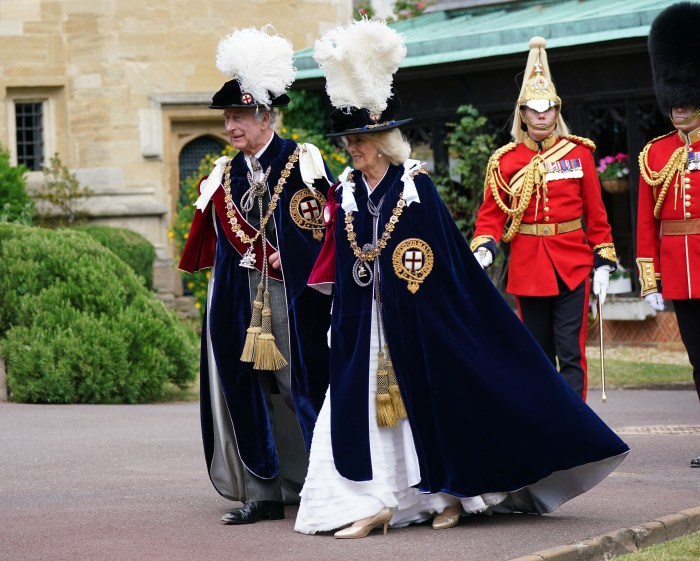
[(675, 65)]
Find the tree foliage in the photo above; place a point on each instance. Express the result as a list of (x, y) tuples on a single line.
[(63, 195), (15, 203)]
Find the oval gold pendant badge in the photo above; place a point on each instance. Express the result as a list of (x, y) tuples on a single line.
[(306, 209), (413, 261)]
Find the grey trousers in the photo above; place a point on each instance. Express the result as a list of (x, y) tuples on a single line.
[(256, 488)]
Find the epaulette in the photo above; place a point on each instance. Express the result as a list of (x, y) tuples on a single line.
[(419, 170), (653, 140), (498, 154), (581, 141)]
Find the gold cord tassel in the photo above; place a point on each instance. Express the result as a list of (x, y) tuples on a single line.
[(267, 355), (394, 391), (252, 333), (386, 416)]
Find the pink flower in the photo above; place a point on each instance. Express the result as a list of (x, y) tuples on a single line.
[(363, 11), (420, 5)]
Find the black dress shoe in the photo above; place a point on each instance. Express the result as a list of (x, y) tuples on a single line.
[(254, 511), (695, 462)]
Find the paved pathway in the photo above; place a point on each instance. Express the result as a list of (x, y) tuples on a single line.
[(123, 483)]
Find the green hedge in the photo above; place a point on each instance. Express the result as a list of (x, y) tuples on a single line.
[(129, 246), (78, 326)]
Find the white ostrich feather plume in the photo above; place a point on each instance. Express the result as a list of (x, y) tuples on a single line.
[(359, 61), (261, 63)]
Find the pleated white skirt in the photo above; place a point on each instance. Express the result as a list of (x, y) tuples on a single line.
[(330, 501)]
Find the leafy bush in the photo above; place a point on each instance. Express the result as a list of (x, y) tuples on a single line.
[(63, 196), (470, 148), (132, 248), (78, 326), (15, 203)]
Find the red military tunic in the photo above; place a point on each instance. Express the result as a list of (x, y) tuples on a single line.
[(560, 199), (675, 257)]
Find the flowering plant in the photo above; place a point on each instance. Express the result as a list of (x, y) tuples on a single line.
[(614, 167)]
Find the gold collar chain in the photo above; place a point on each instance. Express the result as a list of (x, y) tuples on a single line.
[(372, 254), (544, 144), (228, 199)]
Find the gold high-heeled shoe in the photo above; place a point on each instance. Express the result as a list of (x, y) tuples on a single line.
[(447, 518), (382, 517)]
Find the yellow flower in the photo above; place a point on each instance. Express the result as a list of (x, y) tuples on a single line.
[(190, 285), (187, 234), (197, 305), (295, 136), (208, 274)]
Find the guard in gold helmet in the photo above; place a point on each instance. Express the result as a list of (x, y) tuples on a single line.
[(538, 192)]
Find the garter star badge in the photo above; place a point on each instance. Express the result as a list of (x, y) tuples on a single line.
[(306, 209), (413, 261)]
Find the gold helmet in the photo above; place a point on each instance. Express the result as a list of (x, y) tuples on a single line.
[(537, 92)]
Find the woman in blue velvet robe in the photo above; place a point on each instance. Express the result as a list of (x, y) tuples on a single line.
[(489, 424)]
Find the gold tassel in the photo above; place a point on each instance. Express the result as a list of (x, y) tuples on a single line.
[(386, 416), (394, 391), (267, 355), (253, 331)]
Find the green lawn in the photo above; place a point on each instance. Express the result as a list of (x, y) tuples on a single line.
[(686, 548), (628, 374)]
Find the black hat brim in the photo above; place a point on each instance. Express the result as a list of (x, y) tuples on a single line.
[(281, 101), (371, 128), (230, 96)]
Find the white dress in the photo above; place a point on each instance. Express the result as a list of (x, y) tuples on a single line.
[(330, 501)]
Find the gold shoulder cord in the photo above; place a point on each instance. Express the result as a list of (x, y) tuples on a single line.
[(519, 197), (674, 168), (587, 142)]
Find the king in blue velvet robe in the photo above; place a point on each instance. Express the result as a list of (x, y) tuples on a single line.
[(230, 314), (488, 411)]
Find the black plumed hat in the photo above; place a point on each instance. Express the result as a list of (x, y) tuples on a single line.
[(355, 120), (675, 65), (231, 95), (359, 61), (260, 67)]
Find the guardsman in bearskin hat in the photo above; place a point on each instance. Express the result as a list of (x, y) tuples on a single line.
[(668, 224), (439, 400), (539, 192), (258, 226)]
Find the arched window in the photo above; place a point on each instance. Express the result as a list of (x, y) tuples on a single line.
[(192, 153)]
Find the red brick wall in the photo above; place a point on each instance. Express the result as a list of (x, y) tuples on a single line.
[(659, 330)]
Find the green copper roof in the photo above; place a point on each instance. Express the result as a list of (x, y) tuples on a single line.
[(443, 37)]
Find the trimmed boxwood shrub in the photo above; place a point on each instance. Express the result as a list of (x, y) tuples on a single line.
[(77, 325), (131, 247)]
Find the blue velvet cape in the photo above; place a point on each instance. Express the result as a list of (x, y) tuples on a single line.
[(308, 314), (488, 411)]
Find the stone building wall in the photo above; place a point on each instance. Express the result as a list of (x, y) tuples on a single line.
[(124, 85)]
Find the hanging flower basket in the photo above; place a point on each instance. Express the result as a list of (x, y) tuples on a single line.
[(615, 186), (613, 172)]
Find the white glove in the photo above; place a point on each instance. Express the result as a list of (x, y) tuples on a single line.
[(601, 280), (655, 300), (483, 257)]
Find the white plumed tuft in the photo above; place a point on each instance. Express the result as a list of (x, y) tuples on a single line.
[(359, 60), (261, 63)]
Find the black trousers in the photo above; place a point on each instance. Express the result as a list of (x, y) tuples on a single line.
[(688, 316), (559, 324)]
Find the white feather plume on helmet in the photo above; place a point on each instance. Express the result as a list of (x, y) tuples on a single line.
[(359, 60), (261, 63)]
